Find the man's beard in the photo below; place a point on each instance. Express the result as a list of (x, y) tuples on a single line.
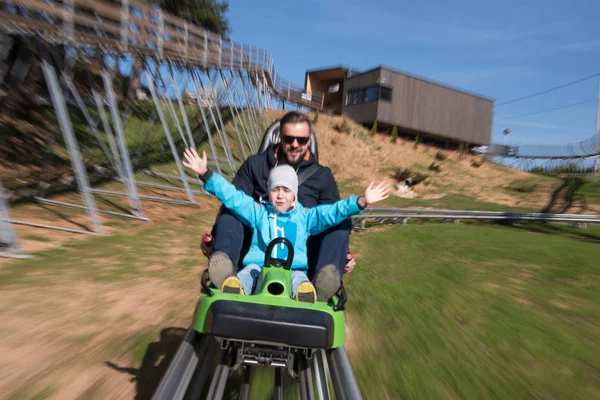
[(299, 158)]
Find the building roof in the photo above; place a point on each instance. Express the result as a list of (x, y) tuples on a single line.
[(424, 80)]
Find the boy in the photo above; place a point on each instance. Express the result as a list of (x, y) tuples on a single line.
[(282, 216)]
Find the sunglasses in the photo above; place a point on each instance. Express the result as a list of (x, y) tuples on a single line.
[(290, 139)]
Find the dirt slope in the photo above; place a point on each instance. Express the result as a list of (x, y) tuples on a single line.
[(359, 157)]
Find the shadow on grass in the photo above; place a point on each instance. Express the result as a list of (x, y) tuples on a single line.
[(111, 203), (64, 217), (156, 360), (552, 229), (564, 196)]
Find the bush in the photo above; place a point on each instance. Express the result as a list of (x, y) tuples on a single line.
[(402, 174), (316, 117), (343, 127), (476, 164), (394, 134), (440, 156), (523, 187), (434, 167)]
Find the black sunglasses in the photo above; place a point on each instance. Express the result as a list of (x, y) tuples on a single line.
[(290, 139)]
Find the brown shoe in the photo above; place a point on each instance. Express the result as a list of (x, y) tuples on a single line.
[(220, 268), (327, 282)]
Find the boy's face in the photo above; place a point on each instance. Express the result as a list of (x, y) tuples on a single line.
[(281, 198)]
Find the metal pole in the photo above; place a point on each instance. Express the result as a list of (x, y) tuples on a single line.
[(597, 163), (244, 100), (132, 194), (278, 391), (60, 107), (8, 238), (254, 97), (224, 144), (217, 385), (177, 377), (65, 204), (249, 110), (237, 129), (161, 116), (87, 116), (182, 109), (56, 228), (151, 198), (107, 129), (260, 109), (322, 382), (214, 93), (249, 135), (206, 125), (306, 384), (342, 376), (246, 381)]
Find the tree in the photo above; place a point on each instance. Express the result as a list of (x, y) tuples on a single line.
[(209, 14)]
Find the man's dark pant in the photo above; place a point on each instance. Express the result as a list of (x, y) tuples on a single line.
[(329, 247)]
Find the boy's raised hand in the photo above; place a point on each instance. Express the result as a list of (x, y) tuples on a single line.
[(194, 162), (374, 194)]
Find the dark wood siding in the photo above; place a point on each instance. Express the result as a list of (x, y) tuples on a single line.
[(422, 106), (366, 112)]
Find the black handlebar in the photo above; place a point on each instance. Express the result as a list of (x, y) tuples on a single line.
[(275, 242)]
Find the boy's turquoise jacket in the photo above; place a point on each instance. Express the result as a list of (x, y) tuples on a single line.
[(295, 225)]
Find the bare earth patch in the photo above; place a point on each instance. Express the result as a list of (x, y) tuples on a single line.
[(62, 336)]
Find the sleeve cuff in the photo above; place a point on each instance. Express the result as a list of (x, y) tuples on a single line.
[(358, 204), (206, 176)]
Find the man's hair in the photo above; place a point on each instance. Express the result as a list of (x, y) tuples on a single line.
[(294, 117)]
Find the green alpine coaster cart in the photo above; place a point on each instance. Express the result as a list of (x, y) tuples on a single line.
[(299, 341)]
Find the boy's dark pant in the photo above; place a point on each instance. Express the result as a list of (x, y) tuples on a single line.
[(329, 247)]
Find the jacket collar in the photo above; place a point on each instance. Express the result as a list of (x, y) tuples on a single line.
[(272, 157)]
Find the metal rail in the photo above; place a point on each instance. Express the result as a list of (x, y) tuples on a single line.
[(395, 214), (201, 366)]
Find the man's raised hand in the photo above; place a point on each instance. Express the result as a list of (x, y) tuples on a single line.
[(375, 194), (194, 162)]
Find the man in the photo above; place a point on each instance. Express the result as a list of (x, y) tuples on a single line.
[(327, 251)]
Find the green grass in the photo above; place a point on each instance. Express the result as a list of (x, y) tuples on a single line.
[(590, 192), (476, 312), (113, 258), (37, 238)]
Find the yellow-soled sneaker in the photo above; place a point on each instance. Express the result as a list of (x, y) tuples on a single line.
[(232, 285), (306, 293)]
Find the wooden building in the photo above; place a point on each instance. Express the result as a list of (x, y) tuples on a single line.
[(415, 105)]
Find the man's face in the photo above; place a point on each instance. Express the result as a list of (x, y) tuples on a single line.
[(295, 139), (282, 198)]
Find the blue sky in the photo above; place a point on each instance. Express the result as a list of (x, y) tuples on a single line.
[(499, 49)]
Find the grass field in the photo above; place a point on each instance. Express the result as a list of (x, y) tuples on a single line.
[(476, 312), (436, 311)]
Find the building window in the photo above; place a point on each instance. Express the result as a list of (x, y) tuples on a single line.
[(385, 93), (368, 94)]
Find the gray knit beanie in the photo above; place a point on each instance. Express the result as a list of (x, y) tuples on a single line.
[(284, 175)]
